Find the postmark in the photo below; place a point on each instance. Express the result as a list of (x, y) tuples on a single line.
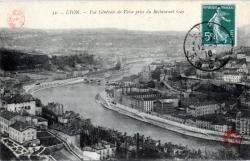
[(232, 136), (16, 18), (224, 17), (206, 57)]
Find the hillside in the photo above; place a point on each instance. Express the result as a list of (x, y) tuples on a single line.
[(102, 42), (97, 42)]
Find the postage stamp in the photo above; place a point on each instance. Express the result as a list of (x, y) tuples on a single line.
[(16, 18), (220, 26)]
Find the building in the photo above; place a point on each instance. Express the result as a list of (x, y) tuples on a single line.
[(221, 127), (6, 119), (203, 124), (29, 107), (165, 106), (142, 100), (89, 154), (67, 117), (232, 78), (38, 122), (56, 108), (22, 132), (243, 123), (242, 68), (106, 150), (131, 89), (201, 109), (245, 100), (145, 75), (146, 94), (20, 107), (148, 104), (128, 101), (241, 56), (175, 118), (163, 77), (39, 110), (143, 104), (19, 104)]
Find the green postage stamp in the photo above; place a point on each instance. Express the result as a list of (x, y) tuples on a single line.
[(219, 28)]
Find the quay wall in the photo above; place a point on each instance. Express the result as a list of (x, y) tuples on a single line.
[(32, 88)]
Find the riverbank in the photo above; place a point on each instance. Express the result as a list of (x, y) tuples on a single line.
[(206, 134), (32, 88)]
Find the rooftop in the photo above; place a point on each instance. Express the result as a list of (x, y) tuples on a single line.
[(70, 114), (21, 126), (147, 98), (8, 115), (17, 98), (142, 93), (166, 100), (204, 103), (102, 145), (40, 119)]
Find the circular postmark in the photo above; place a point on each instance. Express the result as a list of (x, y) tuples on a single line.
[(207, 50), (16, 18), (232, 136)]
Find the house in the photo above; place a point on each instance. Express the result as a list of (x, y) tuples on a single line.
[(232, 78), (243, 123), (38, 122), (6, 119), (23, 132), (105, 149), (67, 117), (91, 155), (56, 108), (221, 127), (19, 104)]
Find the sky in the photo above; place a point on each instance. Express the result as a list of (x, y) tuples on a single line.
[(180, 16)]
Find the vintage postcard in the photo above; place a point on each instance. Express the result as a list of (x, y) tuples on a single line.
[(124, 80)]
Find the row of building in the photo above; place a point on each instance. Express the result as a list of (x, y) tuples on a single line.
[(151, 101), (145, 100)]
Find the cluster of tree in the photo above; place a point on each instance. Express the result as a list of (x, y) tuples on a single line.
[(15, 60), (72, 60), (12, 60), (143, 147)]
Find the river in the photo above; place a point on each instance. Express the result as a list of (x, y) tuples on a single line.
[(81, 98)]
